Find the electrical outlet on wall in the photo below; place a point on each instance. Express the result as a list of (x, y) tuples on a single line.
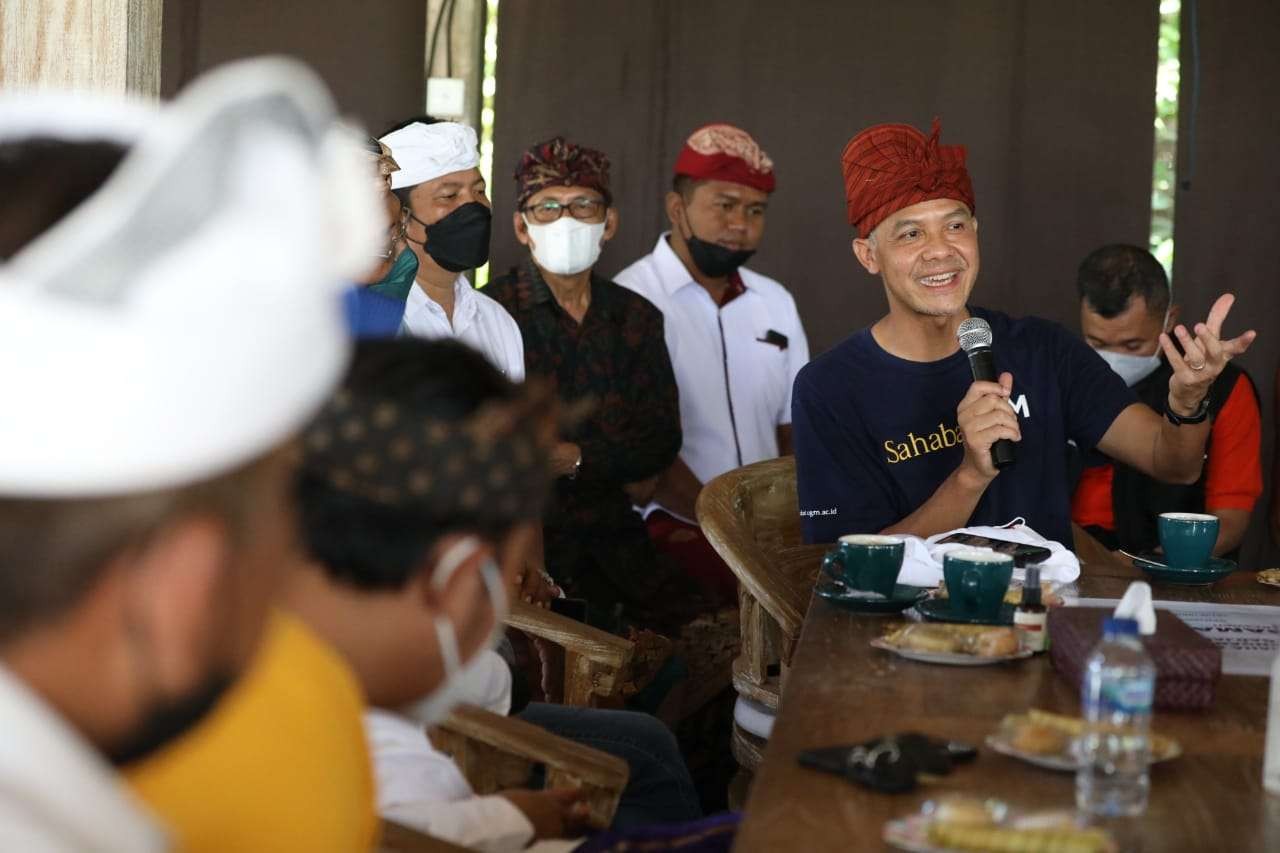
[(446, 97)]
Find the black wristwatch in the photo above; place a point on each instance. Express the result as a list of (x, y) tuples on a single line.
[(1198, 417)]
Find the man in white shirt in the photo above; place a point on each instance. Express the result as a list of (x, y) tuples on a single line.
[(734, 336), (447, 224), (139, 552), (399, 536)]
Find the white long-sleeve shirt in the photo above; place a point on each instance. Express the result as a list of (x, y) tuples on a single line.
[(422, 788), (734, 377), (478, 321), (57, 795)]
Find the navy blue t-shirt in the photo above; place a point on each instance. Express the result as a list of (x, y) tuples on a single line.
[(875, 435)]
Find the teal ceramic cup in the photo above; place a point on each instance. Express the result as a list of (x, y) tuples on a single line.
[(866, 562), (977, 580), (1187, 538)]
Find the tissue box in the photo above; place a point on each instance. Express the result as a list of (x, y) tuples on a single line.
[(1187, 665)]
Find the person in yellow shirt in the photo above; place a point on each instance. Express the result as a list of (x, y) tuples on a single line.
[(280, 765)]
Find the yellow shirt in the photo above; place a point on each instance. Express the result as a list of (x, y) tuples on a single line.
[(280, 765)]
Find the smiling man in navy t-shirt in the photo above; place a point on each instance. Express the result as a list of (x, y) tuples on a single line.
[(891, 432)]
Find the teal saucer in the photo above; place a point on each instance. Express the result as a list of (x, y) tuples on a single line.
[(1215, 570), (939, 610), (843, 596)]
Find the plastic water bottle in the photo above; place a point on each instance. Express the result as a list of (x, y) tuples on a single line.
[(1271, 761), (1114, 750)]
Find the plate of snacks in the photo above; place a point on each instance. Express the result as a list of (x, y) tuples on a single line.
[(955, 824), (1048, 740), (952, 644), (1270, 577)]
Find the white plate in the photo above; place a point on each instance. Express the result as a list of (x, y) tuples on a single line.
[(910, 833), (947, 658), (1000, 743), (1063, 763)]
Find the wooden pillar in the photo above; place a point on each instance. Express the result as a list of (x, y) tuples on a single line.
[(107, 45)]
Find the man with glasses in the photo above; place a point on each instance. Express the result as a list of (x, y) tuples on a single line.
[(734, 336), (447, 223), (598, 341)]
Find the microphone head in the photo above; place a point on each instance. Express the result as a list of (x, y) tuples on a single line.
[(974, 333)]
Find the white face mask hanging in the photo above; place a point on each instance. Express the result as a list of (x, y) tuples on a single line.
[(436, 705), (566, 246)]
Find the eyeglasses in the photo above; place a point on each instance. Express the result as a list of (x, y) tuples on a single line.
[(550, 210)]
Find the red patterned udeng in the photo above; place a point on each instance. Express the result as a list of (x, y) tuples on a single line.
[(722, 152), (891, 166)]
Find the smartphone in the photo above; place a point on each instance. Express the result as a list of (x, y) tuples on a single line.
[(1023, 555)]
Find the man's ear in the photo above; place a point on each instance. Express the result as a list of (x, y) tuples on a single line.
[(865, 251), (610, 224), (674, 205), (1175, 311), (522, 229), (179, 599)]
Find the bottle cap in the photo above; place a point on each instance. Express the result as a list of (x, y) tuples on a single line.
[(1031, 587), (1120, 627)]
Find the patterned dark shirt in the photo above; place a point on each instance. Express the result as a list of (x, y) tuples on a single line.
[(617, 357)]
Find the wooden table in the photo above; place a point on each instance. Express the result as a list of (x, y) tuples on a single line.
[(841, 691)]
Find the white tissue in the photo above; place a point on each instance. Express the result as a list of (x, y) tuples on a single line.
[(922, 560), (1137, 605)]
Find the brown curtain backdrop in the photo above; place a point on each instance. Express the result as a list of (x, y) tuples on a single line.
[(370, 54), (1227, 215), (1055, 103)]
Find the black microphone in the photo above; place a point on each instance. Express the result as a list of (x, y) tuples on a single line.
[(974, 335)]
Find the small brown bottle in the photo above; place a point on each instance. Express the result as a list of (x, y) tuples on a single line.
[(1030, 619)]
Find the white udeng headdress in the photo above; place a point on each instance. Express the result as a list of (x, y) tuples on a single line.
[(186, 317), (427, 151)]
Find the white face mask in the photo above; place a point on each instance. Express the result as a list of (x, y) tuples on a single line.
[(566, 246), (437, 704), (1134, 368), (1131, 368)]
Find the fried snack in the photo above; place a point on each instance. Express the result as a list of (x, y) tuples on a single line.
[(979, 640), (996, 643), (1039, 739), (1006, 840), (963, 811), (1161, 747)]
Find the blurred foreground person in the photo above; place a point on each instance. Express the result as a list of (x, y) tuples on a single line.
[(415, 476), (150, 392)]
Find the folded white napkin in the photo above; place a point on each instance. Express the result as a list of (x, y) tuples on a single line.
[(922, 562), (1137, 605)]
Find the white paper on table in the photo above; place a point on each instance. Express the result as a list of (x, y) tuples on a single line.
[(1247, 634)]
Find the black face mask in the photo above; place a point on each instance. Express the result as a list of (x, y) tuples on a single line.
[(168, 722), (714, 260), (459, 241)]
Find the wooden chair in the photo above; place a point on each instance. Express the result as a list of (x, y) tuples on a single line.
[(496, 753), (749, 515), (596, 663)]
